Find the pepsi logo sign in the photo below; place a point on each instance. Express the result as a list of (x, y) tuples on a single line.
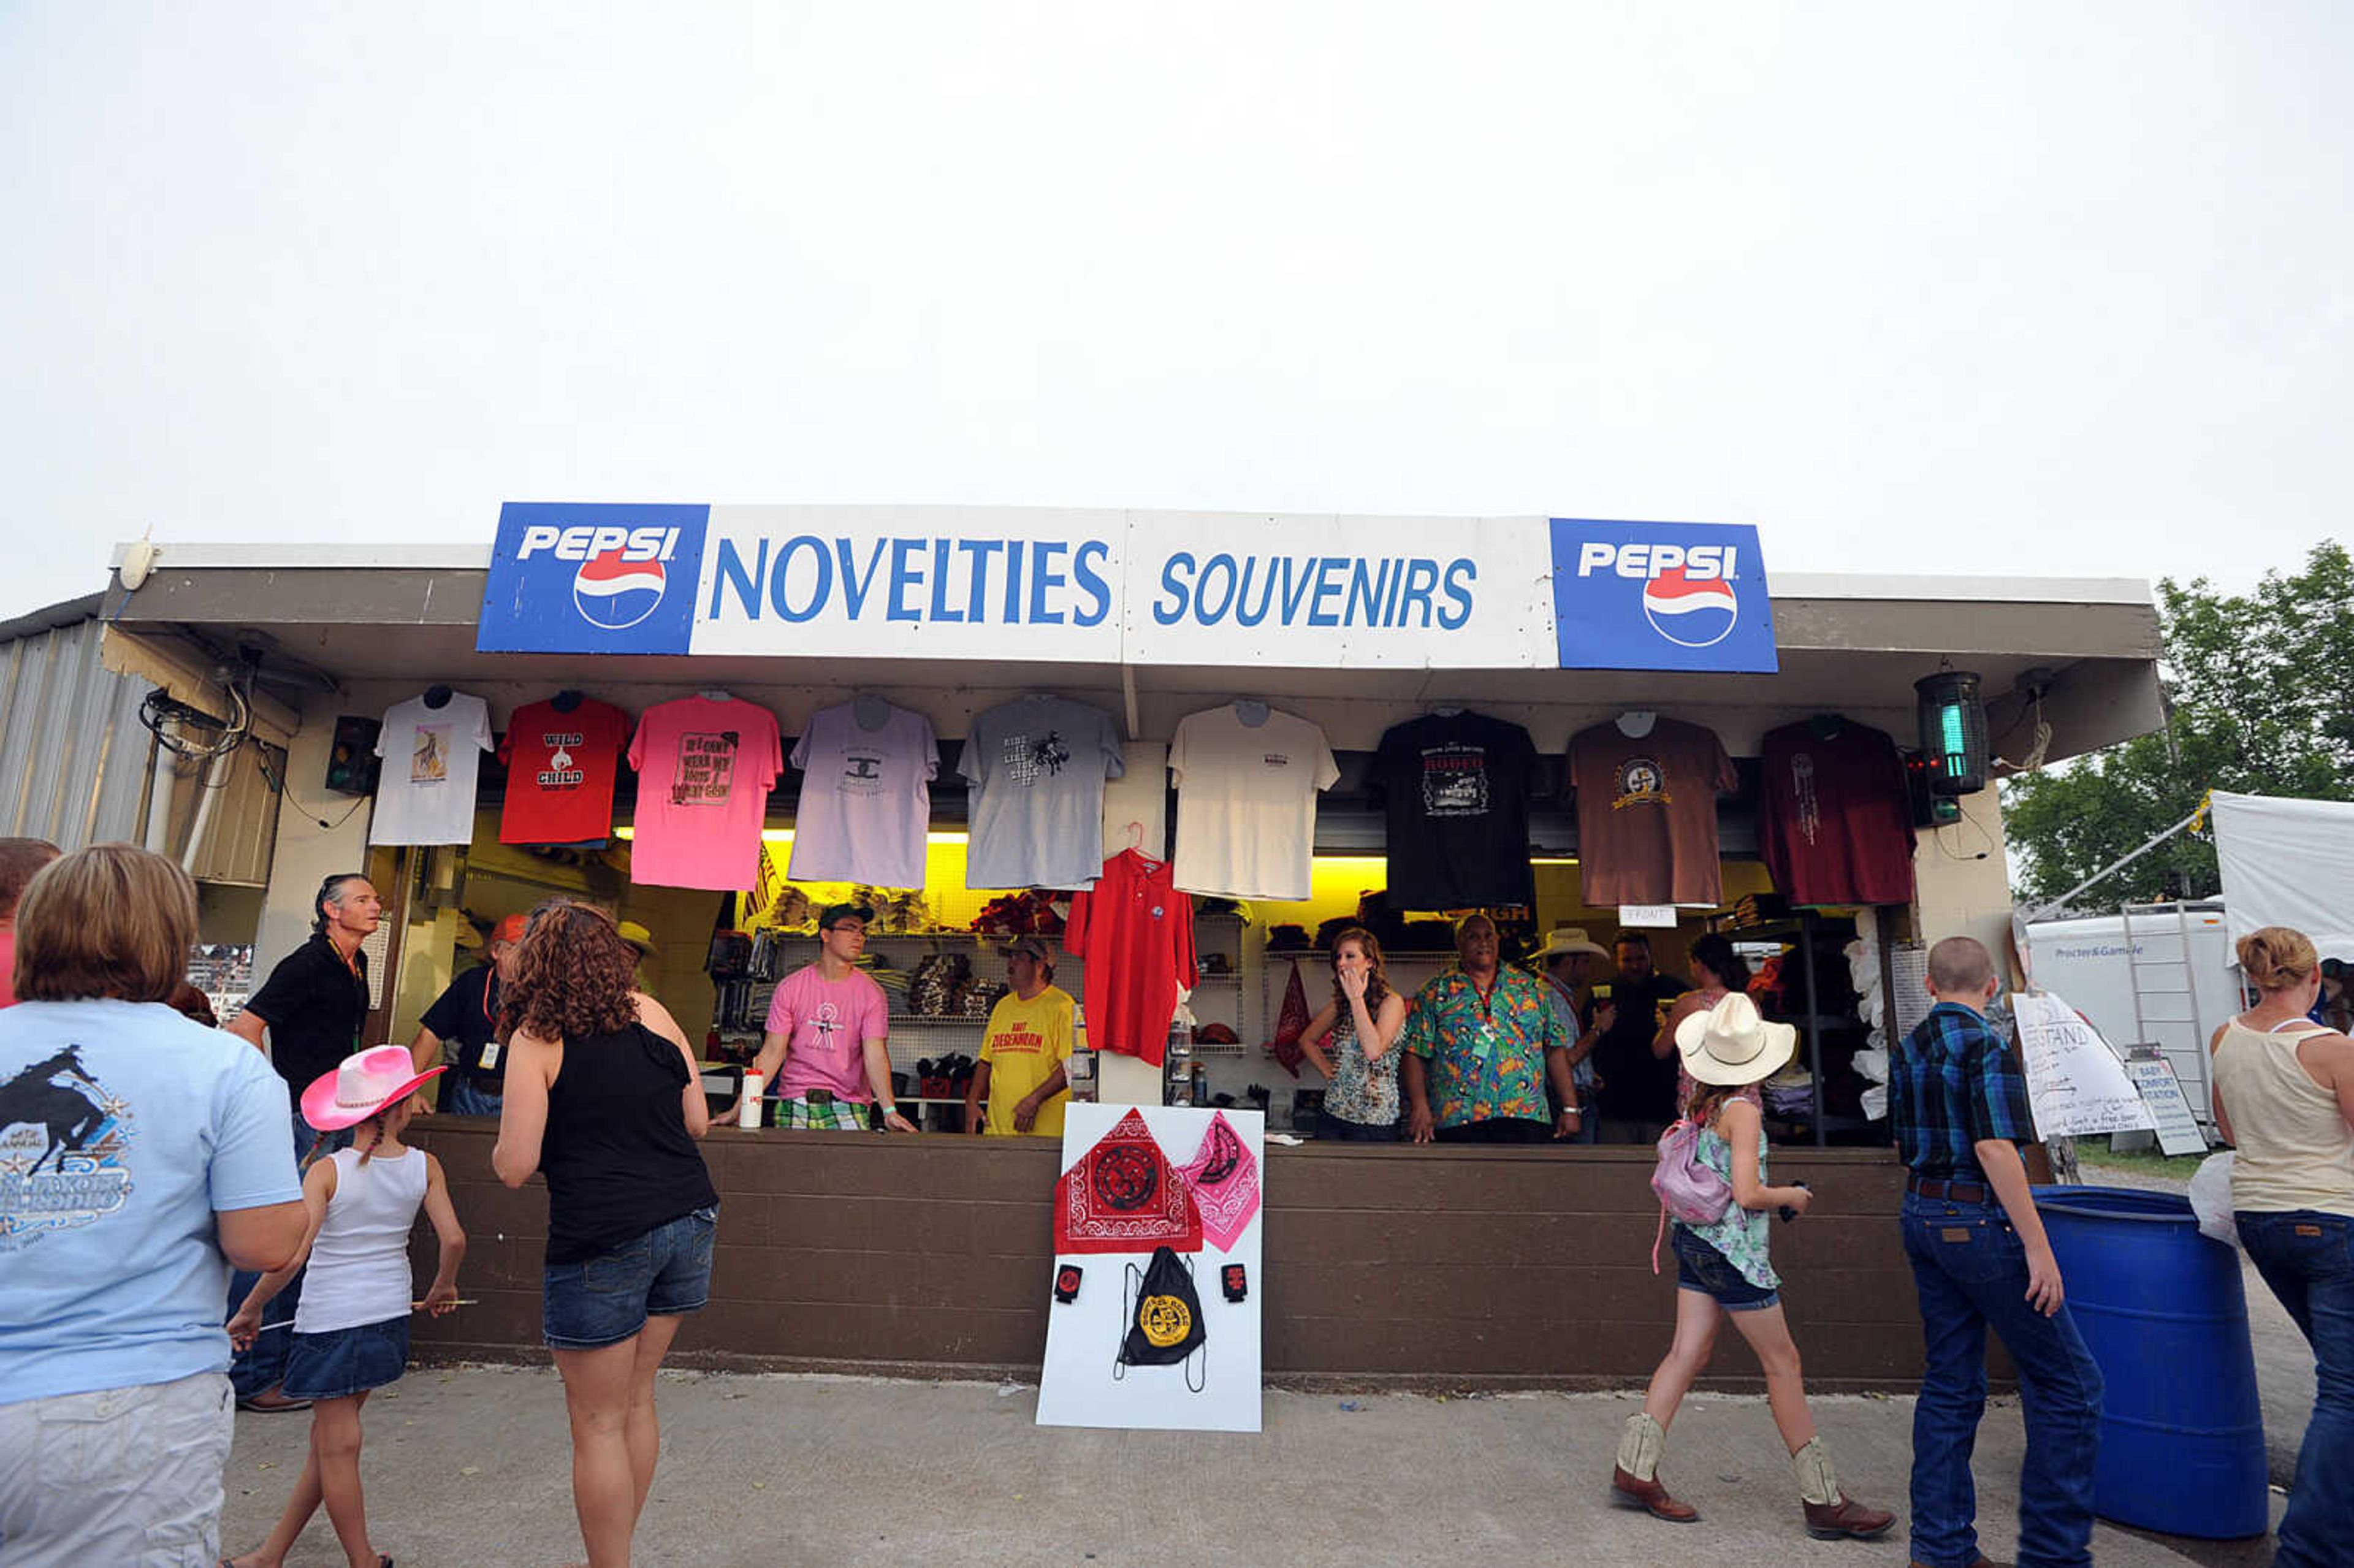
[(615, 592), (1688, 594)]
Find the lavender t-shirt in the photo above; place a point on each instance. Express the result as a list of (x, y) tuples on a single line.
[(826, 1027), (866, 796)]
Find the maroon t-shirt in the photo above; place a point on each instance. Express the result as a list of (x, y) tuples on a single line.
[(1647, 813), (1834, 822)]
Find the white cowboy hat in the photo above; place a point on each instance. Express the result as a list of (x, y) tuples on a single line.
[(1730, 1044), (1564, 940), (364, 1084)]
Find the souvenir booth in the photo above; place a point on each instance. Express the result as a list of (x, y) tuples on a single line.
[(961, 718)]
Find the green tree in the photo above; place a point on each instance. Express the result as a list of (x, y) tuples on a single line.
[(2259, 691)]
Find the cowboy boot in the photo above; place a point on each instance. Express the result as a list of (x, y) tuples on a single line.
[(1636, 1481), (1829, 1515)]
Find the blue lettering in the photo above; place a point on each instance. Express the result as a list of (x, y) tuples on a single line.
[(1327, 586), (777, 579), (1365, 593), (940, 610), (1091, 582), (1295, 588), (854, 593), (980, 550), (1202, 610), (1170, 611), (1460, 592), (1043, 576), (1421, 577), (1390, 605), (731, 574), (904, 576), (1246, 614), (1012, 582)]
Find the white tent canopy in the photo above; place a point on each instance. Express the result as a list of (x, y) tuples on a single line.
[(2287, 863)]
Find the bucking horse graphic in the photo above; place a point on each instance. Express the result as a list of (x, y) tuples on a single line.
[(33, 1099)]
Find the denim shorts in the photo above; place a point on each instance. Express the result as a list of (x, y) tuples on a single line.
[(1699, 1267), (345, 1362), (605, 1299)]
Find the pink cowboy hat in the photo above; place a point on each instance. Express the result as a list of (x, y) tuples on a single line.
[(365, 1083)]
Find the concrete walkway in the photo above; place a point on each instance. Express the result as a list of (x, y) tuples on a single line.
[(469, 1467)]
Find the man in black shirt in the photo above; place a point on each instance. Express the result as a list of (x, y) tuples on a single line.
[(314, 1005), (461, 1026), (1638, 1087)]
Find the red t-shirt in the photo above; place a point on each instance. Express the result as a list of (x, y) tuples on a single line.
[(7, 966), (1136, 931), (560, 769), (1834, 820)]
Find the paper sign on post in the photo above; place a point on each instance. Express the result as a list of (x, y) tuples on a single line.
[(2177, 1129), (1660, 917), (2074, 1082)]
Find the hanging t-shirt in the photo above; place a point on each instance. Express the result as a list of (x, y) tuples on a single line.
[(826, 1025), (1457, 787), (1247, 802), (425, 794), (866, 796), (1647, 813), (704, 768), (1834, 818), (1037, 766), (1024, 1042), (1136, 931), (561, 767)]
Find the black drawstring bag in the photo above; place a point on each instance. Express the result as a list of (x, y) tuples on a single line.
[(1165, 1321)]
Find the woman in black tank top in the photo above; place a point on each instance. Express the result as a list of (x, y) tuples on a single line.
[(603, 1098)]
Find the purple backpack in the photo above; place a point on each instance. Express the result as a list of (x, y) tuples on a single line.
[(1688, 1190)]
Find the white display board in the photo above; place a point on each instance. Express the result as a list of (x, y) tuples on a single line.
[(1083, 1336), (2177, 1129), (2075, 1084)]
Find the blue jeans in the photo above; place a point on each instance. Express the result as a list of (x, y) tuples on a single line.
[(1970, 1270), (2308, 1259), (263, 1367), (461, 1095)]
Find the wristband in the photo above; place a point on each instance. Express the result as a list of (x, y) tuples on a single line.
[(889, 1107)]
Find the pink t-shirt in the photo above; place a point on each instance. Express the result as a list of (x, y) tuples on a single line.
[(705, 768), (826, 1027), (7, 966)]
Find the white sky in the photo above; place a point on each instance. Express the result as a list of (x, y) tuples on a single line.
[(2046, 289)]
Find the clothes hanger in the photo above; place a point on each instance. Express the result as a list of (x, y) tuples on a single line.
[(1252, 710), (717, 695), (1827, 726), (1637, 723), (438, 695), (565, 701), (871, 711)]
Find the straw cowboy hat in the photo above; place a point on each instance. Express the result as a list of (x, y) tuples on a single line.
[(1564, 940), (1730, 1046), (364, 1084)]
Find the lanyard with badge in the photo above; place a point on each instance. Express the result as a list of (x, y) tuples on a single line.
[(1483, 1044), (490, 1057)]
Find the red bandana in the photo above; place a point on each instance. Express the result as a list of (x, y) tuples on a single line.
[(1124, 1196)]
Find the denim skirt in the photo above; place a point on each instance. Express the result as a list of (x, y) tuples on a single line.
[(345, 1362)]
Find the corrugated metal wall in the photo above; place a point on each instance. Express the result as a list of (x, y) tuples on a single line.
[(74, 757)]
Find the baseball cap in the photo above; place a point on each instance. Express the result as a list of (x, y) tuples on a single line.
[(1032, 945), (511, 928), (833, 912)]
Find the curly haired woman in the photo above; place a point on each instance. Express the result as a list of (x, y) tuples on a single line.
[(603, 1098)]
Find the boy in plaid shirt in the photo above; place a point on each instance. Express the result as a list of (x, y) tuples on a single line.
[(1980, 1259)]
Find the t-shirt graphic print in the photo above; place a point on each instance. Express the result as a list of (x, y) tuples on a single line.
[(561, 767), (431, 754), (1457, 787), (704, 768), (63, 1142), (1037, 766)]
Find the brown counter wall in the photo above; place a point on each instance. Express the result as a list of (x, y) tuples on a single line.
[(1440, 1268)]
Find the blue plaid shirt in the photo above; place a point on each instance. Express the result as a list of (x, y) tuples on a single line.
[(1955, 1083)]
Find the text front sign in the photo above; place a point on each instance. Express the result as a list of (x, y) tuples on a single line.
[(1153, 588)]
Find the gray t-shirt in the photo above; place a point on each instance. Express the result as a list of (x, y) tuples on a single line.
[(1037, 766)]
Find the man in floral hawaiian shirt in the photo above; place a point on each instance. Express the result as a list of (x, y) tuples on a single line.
[(1480, 1045)]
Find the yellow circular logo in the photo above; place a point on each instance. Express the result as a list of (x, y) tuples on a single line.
[(1166, 1320)]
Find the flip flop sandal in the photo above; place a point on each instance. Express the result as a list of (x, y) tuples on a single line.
[(271, 1406)]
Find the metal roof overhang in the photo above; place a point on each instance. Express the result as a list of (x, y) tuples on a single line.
[(358, 617)]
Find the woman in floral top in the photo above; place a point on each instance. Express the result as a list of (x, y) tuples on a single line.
[(1363, 1019), (1721, 1268)]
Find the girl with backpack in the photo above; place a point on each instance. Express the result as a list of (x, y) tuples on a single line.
[(1718, 1152), (351, 1331)]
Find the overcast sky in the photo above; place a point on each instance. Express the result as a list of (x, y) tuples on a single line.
[(2043, 288)]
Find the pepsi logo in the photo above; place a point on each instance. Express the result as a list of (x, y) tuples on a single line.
[(1690, 612), (615, 593)]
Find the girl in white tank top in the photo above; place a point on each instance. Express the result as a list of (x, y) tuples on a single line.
[(351, 1328)]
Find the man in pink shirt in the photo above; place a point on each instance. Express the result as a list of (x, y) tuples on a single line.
[(19, 858), (825, 1055)]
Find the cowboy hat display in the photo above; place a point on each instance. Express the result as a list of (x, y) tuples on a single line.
[(1564, 940), (361, 1086), (1730, 1044)]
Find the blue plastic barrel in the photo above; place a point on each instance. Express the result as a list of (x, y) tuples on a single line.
[(2163, 1311)]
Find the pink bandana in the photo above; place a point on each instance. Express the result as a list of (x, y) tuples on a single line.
[(1124, 1196), (1224, 1180)]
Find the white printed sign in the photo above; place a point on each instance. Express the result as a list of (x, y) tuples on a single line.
[(2177, 1129), (2074, 1082)]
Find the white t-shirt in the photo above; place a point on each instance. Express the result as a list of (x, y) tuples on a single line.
[(1037, 766), (425, 794), (866, 796), (1246, 802)]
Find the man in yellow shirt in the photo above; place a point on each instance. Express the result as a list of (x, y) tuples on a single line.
[(1019, 1077)]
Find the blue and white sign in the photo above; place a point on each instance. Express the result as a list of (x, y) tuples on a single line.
[(1147, 588), (1660, 595)]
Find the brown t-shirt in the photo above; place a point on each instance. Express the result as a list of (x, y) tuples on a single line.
[(1647, 813)]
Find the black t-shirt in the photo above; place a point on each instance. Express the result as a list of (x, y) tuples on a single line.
[(466, 1015), (1457, 787), (616, 1155), (315, 1005), (1636, 1084)]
